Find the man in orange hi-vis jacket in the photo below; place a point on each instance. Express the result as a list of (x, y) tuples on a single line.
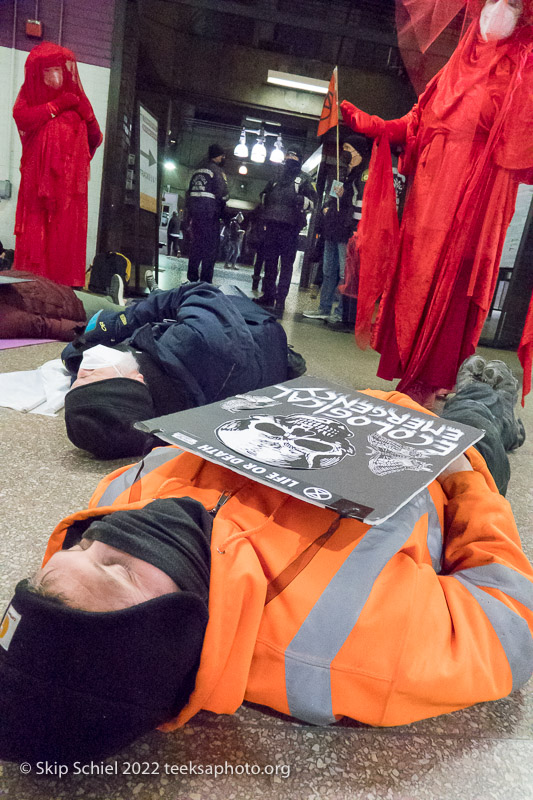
[(185, 586)]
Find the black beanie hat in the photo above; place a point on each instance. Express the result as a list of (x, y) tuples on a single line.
[(216, 150), (360, 143), (99, 417), (79, 685)]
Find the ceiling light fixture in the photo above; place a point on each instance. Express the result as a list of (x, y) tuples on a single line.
[(300, 82), (243, 169), (259, 151), (169, 165), (277, 155), (241, 149)]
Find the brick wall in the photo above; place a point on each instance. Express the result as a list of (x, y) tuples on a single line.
[(84, 27)]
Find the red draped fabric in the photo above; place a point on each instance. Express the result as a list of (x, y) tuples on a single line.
[(59, 135), (467, 146), (525, 351)]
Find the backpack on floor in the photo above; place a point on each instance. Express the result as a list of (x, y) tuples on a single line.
[(104, 266)]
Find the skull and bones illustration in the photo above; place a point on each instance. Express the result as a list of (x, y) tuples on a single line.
[(244, 402), (297, 441), (387, 456)]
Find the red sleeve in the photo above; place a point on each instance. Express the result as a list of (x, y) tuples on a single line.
[(525, 351), (29, 118), (360, 121), (94, 135)]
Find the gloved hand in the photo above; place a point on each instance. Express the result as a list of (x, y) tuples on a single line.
[(361, 121), (63, 103), (85, 110)]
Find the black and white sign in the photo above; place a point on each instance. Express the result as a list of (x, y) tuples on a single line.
[(324, 443)]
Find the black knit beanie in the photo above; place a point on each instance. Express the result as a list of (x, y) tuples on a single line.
[(99, 417), (216, 150), (360, 143), (79, 685)]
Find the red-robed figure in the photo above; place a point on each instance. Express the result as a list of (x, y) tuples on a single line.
[(59, 135), (467, 145)]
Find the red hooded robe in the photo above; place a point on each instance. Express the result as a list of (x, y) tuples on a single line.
[(467, 146), (59, 135)]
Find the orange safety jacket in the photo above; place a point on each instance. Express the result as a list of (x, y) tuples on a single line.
[(321, 617)]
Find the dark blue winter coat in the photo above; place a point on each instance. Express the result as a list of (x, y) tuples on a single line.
[(216, 345)]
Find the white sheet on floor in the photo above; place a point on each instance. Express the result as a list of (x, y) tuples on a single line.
[(39, 391)]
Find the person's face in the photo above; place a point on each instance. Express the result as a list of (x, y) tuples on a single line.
[(355, 156), (86, 376), (499, 18), (94, 576), (53, 77)]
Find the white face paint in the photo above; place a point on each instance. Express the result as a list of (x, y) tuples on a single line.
[(498, 19)]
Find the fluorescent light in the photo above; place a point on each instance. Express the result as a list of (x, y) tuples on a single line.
[(259, 152), (263, 122), (313, 160), (169, 165), (297, 82), (243, 169)]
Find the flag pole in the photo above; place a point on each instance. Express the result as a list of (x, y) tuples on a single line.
[(337, 105)]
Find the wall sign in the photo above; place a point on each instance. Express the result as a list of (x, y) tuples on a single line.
[(148, 129)]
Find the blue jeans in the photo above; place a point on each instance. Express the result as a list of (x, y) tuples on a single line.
[(333, 268), (232, 253)]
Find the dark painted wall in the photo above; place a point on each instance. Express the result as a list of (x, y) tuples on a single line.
[(84, 26)]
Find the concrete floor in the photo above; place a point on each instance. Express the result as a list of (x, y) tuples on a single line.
[(481, 753)]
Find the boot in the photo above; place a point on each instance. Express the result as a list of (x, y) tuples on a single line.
[(470, 370), (264, 300), (498, 375), (279, 308), (255, 284)]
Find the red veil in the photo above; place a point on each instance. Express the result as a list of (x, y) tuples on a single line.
[(59, 135)]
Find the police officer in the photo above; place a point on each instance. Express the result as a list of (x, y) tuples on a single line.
[(286, 202), (206, 198)]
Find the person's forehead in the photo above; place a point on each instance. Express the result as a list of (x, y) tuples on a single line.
[(83, 581)]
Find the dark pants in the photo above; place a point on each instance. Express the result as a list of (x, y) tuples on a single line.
[(172, 245), (281, 242), (205, 234), (481, 406), (259, 262)]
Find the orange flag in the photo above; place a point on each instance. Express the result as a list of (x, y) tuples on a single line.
[(330, 112)]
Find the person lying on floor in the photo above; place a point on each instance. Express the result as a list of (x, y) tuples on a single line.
[(38, 308), (174, 350), (185, 586)]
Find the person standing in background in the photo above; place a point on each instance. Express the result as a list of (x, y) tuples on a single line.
[(466, 147), (206, 198), (174, 225), (59, 135), (286, 202), (235, 236), (341, 216)]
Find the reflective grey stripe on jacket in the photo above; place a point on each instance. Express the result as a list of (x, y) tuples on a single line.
[(322, 634), (510, 628), (130, 476), (202, 194)]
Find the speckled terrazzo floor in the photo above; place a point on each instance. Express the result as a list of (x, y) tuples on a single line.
[(482, 753)]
